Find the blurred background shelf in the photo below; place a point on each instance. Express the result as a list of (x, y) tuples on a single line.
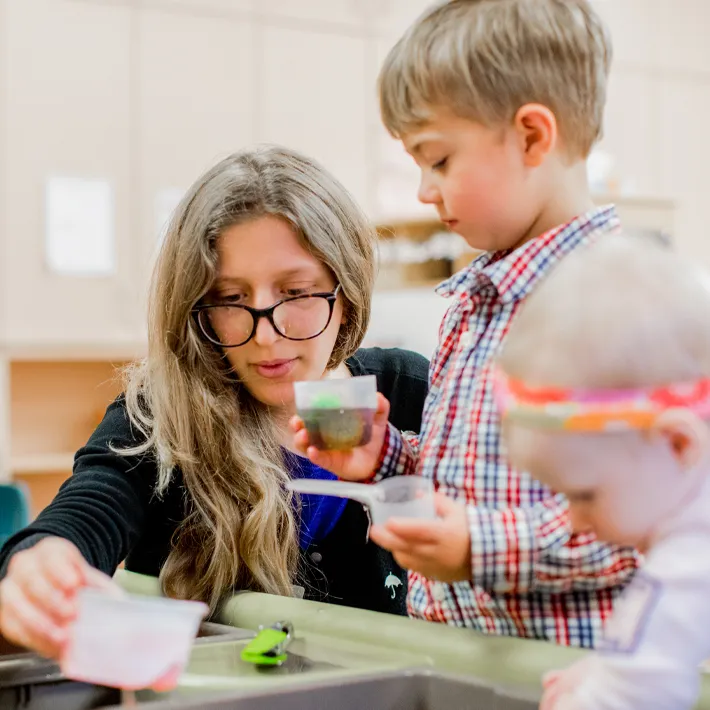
[(54, 396), (31, 464)]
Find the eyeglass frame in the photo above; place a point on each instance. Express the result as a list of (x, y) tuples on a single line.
[(258, 313)]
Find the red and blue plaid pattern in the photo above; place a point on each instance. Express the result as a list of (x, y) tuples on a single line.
[(531, 576)]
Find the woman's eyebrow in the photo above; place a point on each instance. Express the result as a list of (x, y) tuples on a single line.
[(301, 271)]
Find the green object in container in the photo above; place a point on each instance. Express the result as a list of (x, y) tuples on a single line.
[(326, 400), (267, 649)]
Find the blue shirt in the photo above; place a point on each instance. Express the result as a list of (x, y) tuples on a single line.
[(319, 514)]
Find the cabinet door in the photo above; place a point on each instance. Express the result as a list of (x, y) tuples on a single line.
[(66, 113), (349, 13), (683, 107), (196, 102), (314, 98)]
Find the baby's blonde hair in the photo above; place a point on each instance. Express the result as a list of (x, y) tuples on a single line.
[(622, 312), (485, 59)]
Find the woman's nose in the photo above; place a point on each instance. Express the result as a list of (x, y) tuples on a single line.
[(265, 332)]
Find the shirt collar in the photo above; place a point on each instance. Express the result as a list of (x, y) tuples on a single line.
[(515, 273)]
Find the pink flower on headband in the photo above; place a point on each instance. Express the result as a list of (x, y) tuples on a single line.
[(681, 395)]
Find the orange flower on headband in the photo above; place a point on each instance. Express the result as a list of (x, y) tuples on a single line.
[(590, 410)]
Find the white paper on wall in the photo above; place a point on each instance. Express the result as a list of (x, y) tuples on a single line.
[(80, 232), (166, 200)]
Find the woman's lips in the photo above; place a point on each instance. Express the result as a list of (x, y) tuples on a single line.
[(273, 369)]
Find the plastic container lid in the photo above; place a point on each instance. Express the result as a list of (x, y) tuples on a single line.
[(347, 393)]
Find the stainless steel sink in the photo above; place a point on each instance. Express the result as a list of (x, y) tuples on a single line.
[(404, 690), (30, 682)]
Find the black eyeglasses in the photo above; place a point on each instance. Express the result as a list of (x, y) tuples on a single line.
[(230, 325)]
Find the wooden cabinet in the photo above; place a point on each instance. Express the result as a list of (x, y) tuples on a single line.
[(314, 90), (194, 105), (53, 400), (66, 104)]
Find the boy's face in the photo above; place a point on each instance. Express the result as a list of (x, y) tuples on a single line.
[(619, 486), (477, 179)]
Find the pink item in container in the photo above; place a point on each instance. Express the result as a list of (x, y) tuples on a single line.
[(130, 642)]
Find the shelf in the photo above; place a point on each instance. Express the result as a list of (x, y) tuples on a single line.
[(31, 464), (414, 286), (119, 351), (639, 210)]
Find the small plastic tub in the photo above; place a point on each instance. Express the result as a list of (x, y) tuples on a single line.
[(130, 642), (338, 414), (404, 497)]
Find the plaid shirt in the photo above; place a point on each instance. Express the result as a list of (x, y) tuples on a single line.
[(531, 576)]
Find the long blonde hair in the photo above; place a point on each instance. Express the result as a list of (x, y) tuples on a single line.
[(239, 531)]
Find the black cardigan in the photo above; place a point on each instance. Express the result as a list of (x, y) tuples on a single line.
[(108, 510)]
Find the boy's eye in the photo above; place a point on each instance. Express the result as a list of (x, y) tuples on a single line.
[(581, 497), (439, 165)]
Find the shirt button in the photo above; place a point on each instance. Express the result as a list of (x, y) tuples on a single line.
[(466, 339), (316, 557), (438, 592)]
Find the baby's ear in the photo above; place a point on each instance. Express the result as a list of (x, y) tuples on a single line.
[(686, 434)]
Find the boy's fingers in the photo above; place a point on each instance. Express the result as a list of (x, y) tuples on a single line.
[(444, 505), (415, 532), (381, 536)]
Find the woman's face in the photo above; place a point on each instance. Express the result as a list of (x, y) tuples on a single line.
[(260, 263)]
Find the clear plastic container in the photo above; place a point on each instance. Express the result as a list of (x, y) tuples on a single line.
[(338, 414), (130, 642), (398, 497)]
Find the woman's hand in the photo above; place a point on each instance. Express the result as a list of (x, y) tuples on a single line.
[(38, 595), (359, 463)]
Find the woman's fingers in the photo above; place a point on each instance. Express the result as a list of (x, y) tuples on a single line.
[(25, 624), (37, 597), (60, 561)]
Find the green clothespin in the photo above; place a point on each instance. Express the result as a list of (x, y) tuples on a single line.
[(268, 648)]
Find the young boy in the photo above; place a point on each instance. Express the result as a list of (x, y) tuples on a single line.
[(605, 391), (499, 102)]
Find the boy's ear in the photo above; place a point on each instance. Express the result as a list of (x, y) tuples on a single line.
[(536, 127), (686, 434)]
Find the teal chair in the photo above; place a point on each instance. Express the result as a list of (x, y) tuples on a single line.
[(14, 509)]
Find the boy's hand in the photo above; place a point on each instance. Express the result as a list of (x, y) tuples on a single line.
[(359, 463), (439, 549)]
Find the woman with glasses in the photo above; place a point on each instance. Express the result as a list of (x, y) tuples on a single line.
[(265, 278)]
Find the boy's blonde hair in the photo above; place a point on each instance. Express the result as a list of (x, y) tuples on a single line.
[(485, 59), (623, 312)]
